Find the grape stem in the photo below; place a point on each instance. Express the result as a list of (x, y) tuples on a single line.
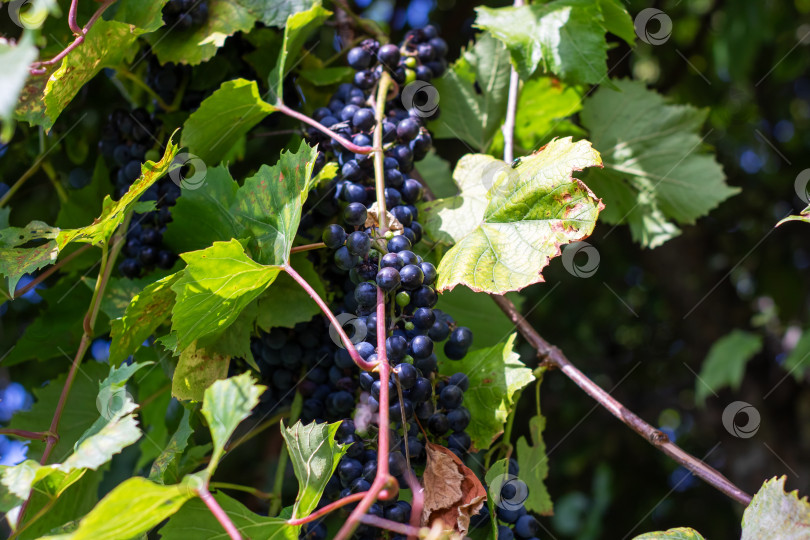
[(364, 365), (382, 523), (382, 481), (219, 513), (327, 509), (554, 357), (347, 144), (108, 257), (379, 169), (307, 247), (417, 501), (511, 110), (37, 67), (32, 435)]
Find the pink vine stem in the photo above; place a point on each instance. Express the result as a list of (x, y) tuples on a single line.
[(340, 503), (417, 502), (37, 67), (363, 364), (219, 513), (345, 143)]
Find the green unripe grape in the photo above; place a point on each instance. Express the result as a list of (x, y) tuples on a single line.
[(410, 76), (403, 299), (409, 325), (410, 62)]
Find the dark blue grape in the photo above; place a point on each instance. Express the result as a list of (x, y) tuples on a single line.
[(355, 214), (345, 260), (451, 396), (397, 463), (505, 533), (411, 277), (407, 129), (421, 347), (391, 260), (459, 440), (348, 470), (396, 347), (526, 526), (366, 294), (412, 191), (363, 119), (438, 424), (389, 55), (358, 58), (423, 318), (388, 278), (398, 243), (407, 375), (459, 419), (359, 243)]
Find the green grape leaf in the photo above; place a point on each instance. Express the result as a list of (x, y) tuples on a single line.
[(495, 374), (167, 462), (132, 508), (202, 215), (16, 261), (297, 29), (197, 370), (315, 454), (234, 341), (327, 76), (146, 15), (566, 37), (437, 174), (120, 431), (154, 397), (617, 20), (472, 94), (196, 516), (286, 304), (196, 45), (226, 403), (533, 464), (57, 326), (16, 481), (509, 222), (107, 44), (773, 513), (222, 119), (543, 109), (144, 314), (119, 293), (798, 360), (15, 59), (275, 12), (78, 415), (656, 172), (725, 364), (679, 533), (216, 285), (269, 203)]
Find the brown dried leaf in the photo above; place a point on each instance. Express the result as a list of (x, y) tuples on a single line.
[(453, 494), (373, 219)]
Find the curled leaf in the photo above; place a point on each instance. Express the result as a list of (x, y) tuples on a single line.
[(373, 219), (453, 494)]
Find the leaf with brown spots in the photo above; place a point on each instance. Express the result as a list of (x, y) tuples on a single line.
[(508, 223), (196, 371), (453, 493)]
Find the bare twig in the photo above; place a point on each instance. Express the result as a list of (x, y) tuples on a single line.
[(37, 67), (658, 439), (32, 435)]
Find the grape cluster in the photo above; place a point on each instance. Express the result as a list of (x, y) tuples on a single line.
[(363, 258), (127, 141), (184, 14)]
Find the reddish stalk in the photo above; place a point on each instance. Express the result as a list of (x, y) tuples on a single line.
[(37, 67), (417, 501), (382, 523), (307, 247), (219, 513), (328, 508), (364, 365), (657, 438), (347, 144), (383, 478), (51, 269), (32, 435)]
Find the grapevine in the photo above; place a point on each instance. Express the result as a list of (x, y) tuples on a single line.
[(286, 243)]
